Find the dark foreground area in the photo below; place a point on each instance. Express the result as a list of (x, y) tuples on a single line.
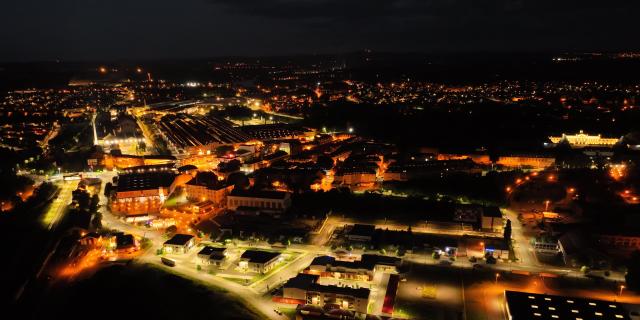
[(139, 292)]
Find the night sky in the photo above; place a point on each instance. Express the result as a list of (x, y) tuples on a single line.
[(159, 29)]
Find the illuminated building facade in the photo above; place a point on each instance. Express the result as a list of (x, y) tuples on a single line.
[(267, 200), (213, 191), (361, 270), (582, 140), (258, 261), (304, 289), (138, 193)]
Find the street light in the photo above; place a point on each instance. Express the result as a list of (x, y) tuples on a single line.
[(621, 288), (497, 276), (350, 129), (546, 205)]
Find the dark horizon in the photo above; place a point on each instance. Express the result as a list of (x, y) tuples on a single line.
[(36, 30)]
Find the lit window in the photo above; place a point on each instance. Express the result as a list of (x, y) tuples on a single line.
[(552, 308), (532, 297), (619, 316), (599, 314), (592, 303), (554, 316), (574, 311), (612, 306), (548, 299), (537, 314), (569, 301), (534, 306)]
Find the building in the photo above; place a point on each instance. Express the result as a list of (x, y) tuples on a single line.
[(126, 243), (211, 256), (179, 243), (578, 250), (546, 245), (362, 270), (205, 186), (361, 232), (529, 306), (531, 161), (123, 161), (303, 289), (492, 219), (581, 140), (278, 131), (142, 193), (274, 201), (187, 134), (258, 261), (355, 177)]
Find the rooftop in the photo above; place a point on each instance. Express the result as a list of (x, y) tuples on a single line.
[(367, 261), (525, 306), (144, 181), (308, 282), (179, 239), (209, 250), (258, 256)]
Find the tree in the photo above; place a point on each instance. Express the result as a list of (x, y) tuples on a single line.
[(507, 232), (325, 162), (239, 180), (107, 189), (95, 201), (97, 221), (633, 271), (171, 230)]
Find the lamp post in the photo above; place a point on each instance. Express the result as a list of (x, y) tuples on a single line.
[(621, 288), (546, 205), (497, 276)]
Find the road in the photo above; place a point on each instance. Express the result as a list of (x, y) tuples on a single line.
[(56, 210)]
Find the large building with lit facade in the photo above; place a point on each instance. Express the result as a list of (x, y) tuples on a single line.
[(361, 270), (581, 140), (277, 201), (206, 187), (304, 289), (142, 193)]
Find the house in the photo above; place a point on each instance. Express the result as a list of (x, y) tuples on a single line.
[(492, 220), (361, 232), (179, 243), (212, 256), (258, 261), (304, 289), (275, 201)]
